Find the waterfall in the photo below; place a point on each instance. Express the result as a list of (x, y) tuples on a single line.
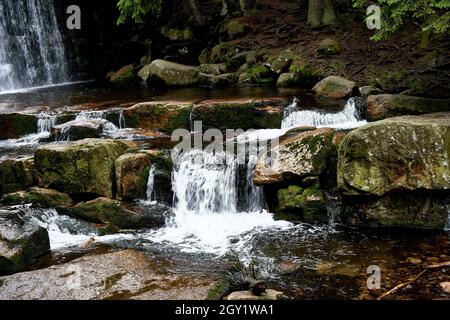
[(348, 118), (151, 183), (31, 48)]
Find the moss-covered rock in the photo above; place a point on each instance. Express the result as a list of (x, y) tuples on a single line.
[(131, 175), (286, 80), (299, 154), (85, 166), (47, 198), (260, 74), (239, 114), (404, 153), (124, 75), (16, 174), (220, 81), (162, 116), (162, 72), (112, 212), (213, 68), (383, 106), (420, 210), (15, 125), (328, 46), (20, 241), (177, 34), (335, 87), (282, 62), (236, 28), (307, 204)]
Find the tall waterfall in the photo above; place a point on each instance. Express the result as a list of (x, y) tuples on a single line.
[(31, 47)]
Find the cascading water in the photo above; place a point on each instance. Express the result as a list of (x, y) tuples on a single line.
[(151, 183), (31, 48), (348, 118)]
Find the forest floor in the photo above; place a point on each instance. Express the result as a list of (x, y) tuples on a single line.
[(397, 64)]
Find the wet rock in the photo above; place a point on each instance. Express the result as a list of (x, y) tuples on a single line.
[(177, 34), (20, 242), (81, 167), (236, 61), (16, 125), (335, 87), (163, 116), (383, 106), (112, 212), (249, 296), (78, 130), (131, 175), (240, 114), (16, 174), (47, 198), (328, 46), (300, 154), (162, 72), (118, 275), (417, 210), (286, 80), (259, 74), (404, 153)]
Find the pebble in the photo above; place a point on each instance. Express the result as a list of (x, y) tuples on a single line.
[(414, 260), (445, 286)]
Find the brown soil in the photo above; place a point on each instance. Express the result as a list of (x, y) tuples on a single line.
[(396, 64)]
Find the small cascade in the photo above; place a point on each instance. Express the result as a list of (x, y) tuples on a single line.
[(150, 184), (348, 118), (46, 122)]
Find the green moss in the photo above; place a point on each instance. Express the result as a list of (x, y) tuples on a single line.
[(260, 74), (128, 77), (219, 290)]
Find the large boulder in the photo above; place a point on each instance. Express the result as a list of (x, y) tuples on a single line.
[(16, 174), (299, 154), (169, 73), (15, 125), (163, 116), (132, 171), (417, 210), (80, 167), (404, 153), (111, 212), (43, 197), (240, 114), (383, 106), (335, 87), (126, 274), (20, 242)]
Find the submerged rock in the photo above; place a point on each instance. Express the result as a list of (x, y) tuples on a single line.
[(16, 174), (169, 73), (335, 87), (47, 198), (16, 125), (20, 242), (112, 212), (391, 105), (300, 154), (163, 116), (404, 153), (239, 114), (81, 167), (131, 175), (118, 275)]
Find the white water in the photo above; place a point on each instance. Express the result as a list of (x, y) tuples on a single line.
[(67, 232), (207, 218), (348, 118), (31, 48), (150, 184)]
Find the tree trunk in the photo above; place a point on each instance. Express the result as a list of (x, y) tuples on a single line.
[(321, 13)]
